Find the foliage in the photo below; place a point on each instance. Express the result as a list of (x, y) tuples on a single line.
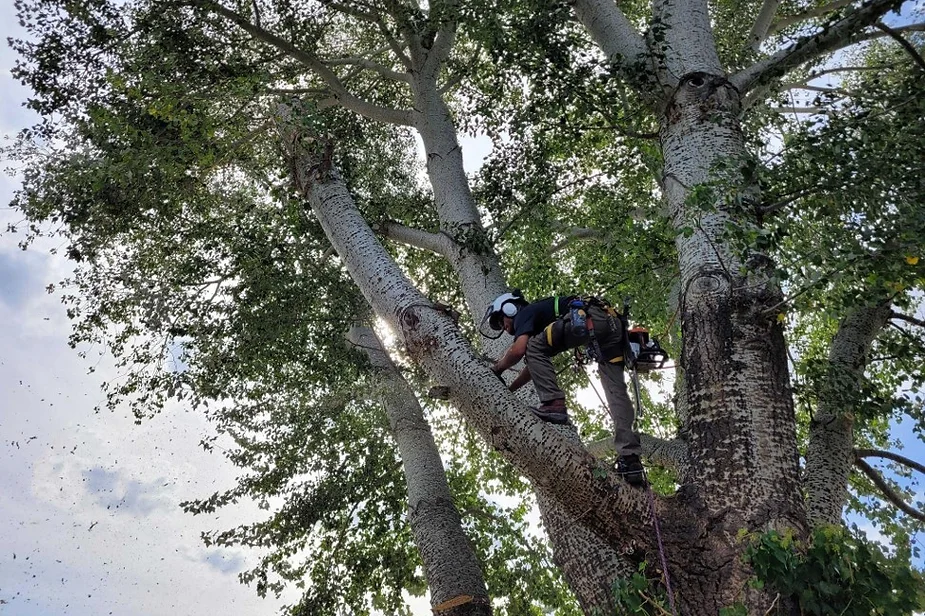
[(161, 175), (637, 595), (837, 572)]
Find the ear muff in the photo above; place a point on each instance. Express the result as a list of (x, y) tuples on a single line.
[(509, 309)]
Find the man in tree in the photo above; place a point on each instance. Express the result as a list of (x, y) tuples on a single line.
[(550, 326)]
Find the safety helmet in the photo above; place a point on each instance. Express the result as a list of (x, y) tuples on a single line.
[(505, 305)]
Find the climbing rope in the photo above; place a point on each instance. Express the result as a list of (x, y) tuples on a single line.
[(661, 552)]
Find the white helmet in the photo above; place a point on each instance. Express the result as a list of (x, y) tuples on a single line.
[(505, 305)]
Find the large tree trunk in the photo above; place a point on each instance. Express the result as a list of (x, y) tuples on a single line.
[(739, 422), (454, 576)]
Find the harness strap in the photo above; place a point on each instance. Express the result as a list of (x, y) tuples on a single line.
[(549, 334)]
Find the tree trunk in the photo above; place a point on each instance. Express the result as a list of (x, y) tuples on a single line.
[(739, 420), (451, 567), (830, 455)]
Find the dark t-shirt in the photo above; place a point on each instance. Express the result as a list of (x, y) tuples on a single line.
[(533, 318)]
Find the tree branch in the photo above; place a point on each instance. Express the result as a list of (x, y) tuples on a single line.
[(896, 36), (438, 243), (613, 33), (759, 30), (576, 233), (343, 96), (907, 319), (668, 453), (829, 38), (786, 22), (369, 64), (349, 10), (397, 48), (889, 455), (888, 492)]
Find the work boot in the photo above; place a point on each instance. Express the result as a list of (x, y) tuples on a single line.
[(553, 412), (631, 469)]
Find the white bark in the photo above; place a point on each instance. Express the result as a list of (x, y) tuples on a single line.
[(830, 454), (811, 47), (688, 45), (450, 564), (615, 35), (558, 465)]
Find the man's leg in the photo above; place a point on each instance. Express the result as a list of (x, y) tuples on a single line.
[(622, 412), (621, 409), (539, 361)]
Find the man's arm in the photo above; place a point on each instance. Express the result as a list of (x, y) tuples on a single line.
[(513, 355)]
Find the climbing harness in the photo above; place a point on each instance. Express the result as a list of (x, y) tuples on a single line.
[(661, 552)]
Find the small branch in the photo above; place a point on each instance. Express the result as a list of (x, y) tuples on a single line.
[(343, 96), (907, 319), (349, 10), (435, 242), (573, 234), (889, 455), (871, 35), (299, 91), (811, 88), (451, 83), (397, 48), (802, 110), (896, 36), (786, 22), (832, 37), (256, 7), (888, 492)]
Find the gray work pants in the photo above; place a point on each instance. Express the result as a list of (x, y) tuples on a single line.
[(558, 337)]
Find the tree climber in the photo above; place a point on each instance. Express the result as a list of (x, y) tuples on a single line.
[(550, 326)]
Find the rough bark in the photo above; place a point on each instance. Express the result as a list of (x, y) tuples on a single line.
[(450, 565), (739, 420), (830, 454)]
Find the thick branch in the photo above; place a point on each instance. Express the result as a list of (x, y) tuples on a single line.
[(614, 34), (434, 242), (450, 564), (343, 96), (440, 51), (556, 464), (888, 492), (668, 453), (762, 24), (828, 39), (831, 433)]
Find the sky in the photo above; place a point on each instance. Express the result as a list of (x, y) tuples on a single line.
[(90, 522)]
